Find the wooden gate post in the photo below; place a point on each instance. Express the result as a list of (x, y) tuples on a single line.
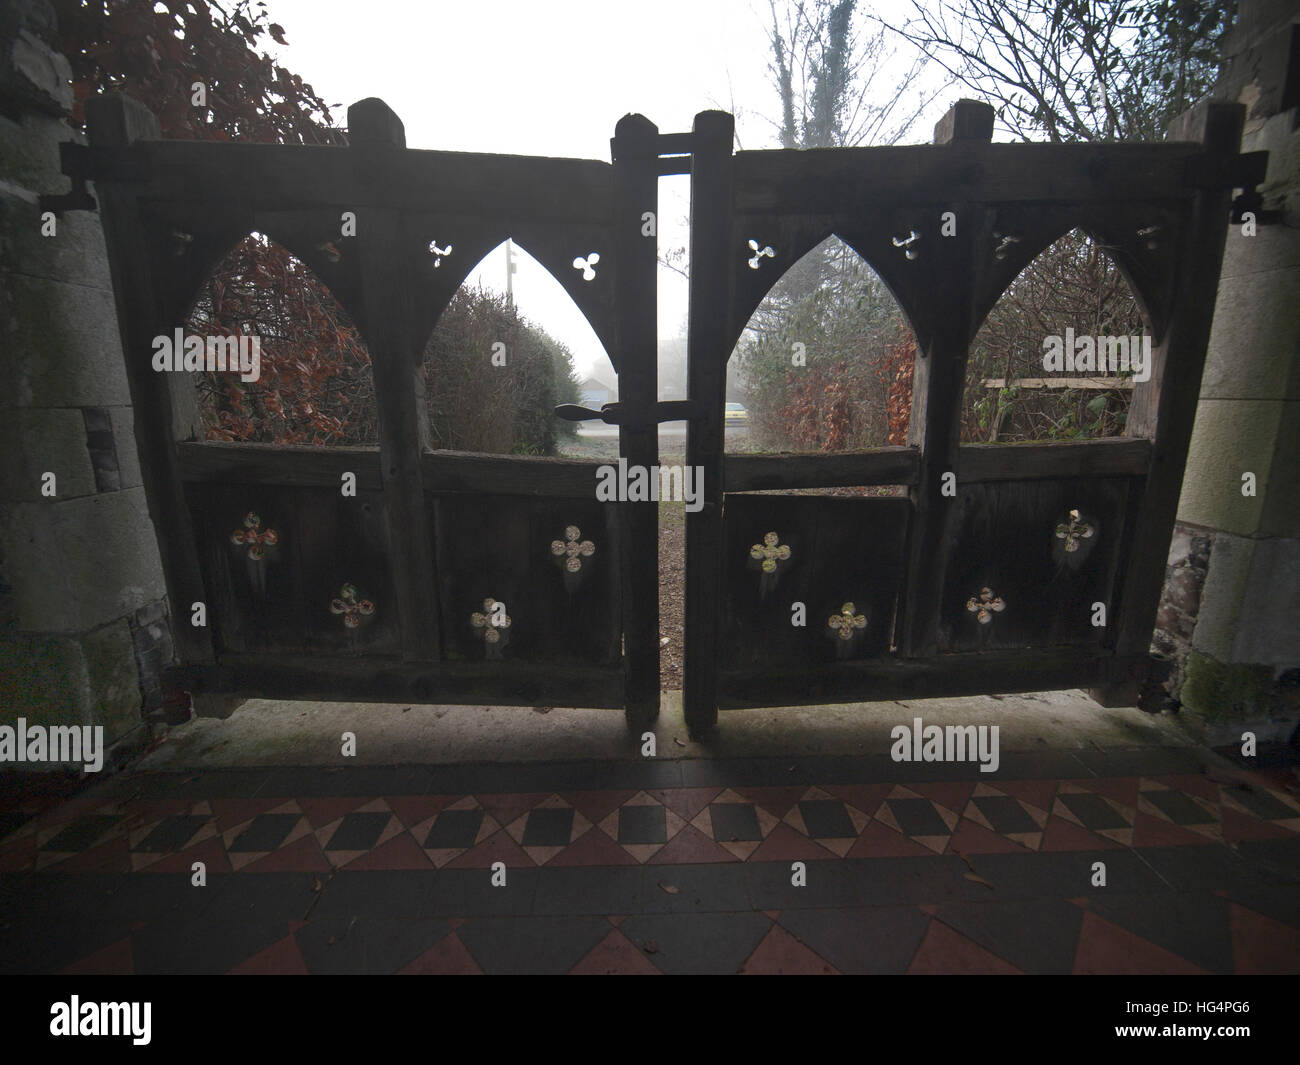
[(376, 136), (1164, 407), (708, 333), (163, 403), (636, 191), (938, 379)]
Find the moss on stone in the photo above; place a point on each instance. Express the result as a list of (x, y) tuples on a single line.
[(1221, 692)]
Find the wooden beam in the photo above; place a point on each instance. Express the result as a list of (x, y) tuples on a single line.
[(440, 471), (938, 379), (1110, 457), (1093, 383), (395, 357), (1165, 406), (707, 348), (979, 673), (372, 679), (886, 465), (850, 181), (636, 191), (162, 409), (271, 177)]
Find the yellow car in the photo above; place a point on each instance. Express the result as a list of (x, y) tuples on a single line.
[(735, 414)]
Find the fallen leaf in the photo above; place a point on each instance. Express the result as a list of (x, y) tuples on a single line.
[(977, 879), (651, 947), (679, 743), (672, 889)]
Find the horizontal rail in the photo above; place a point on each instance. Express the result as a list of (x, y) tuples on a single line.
[(441, 471), (839, 181), (976, 673), (264, 177), (376, 679)]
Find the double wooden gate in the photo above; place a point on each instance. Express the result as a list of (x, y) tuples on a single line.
[(453, 577)]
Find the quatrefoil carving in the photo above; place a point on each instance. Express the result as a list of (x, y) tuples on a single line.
[(1074, 530), (491, 622), (770, 552), (438, 253), (985, 605), (587, 265), (573, 549), (350, 607), (846, 622), (254, 536)]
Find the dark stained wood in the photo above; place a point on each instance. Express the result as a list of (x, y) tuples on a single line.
[(163, 404), (636, 190), (441, 471), (886, 465), (391, 680), (938, 378), (285, 464), (286, 177), (399, 385), (959, 674), (1116, 456), (840, 551), (708, 344), (838, 180), (1176, 379)]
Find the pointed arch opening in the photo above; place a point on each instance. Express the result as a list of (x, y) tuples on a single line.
[(1059, 353), (305, 371), (825, 362), (508, 348)]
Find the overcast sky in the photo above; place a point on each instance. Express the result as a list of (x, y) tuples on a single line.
[(538, 78)]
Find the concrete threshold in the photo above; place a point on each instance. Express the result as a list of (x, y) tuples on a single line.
[(266, 732)]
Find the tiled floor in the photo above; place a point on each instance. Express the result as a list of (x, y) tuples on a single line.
[(665, 867)]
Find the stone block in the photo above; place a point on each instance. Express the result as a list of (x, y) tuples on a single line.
[(1222, 596), (128, 459), (74, 252), (43, 679), (36, 442), (114, 682), (79, 564), (59, 345), (1230, 438), (1254, 349), (1269, 624), (1219, 692)]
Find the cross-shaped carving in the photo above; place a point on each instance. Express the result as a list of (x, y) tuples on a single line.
[(352, 608), (846, 621), (573, 547), (769, 552), (490, 623), (759, 254), (587, 265), (255, 536), (985, 606), (438, 253), (1073, 531)]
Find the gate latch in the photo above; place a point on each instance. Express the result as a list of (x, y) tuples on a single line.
[(670, 410)]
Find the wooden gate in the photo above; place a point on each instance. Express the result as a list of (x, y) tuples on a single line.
[(446, 577), (985, 578)]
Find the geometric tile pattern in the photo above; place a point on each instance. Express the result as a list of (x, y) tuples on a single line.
[(945, 876)]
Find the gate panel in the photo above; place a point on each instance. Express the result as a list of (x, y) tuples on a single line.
[(379, 595), (995, 584), (829, 553)]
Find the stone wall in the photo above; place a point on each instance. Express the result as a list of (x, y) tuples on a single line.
[(83, 613), (1230, 614)]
